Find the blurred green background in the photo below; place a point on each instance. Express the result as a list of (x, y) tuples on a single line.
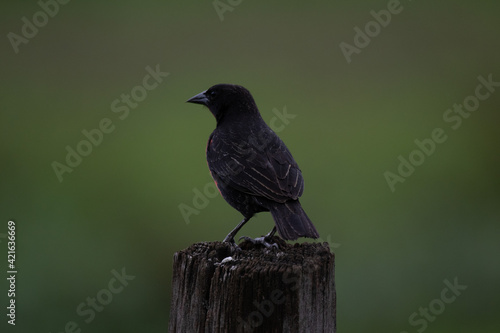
[(119, 208)]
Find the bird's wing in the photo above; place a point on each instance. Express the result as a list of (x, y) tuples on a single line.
[(259, 164)]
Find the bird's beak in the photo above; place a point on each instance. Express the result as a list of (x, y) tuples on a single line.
[(201, 98)]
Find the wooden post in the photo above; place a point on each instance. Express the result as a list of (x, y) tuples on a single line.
[(254, 290)]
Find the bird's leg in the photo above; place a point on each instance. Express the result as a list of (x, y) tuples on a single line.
[(230, 236), (270, 234), (263, 240)]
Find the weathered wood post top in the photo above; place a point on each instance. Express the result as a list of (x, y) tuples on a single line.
[(290, 289)]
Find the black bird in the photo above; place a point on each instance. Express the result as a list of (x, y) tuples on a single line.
[(252, 168)]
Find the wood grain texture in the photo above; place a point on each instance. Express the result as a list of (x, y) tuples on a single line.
[(254, 290)]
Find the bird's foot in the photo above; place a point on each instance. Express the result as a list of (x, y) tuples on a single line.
[(230, 236), (234, 247), (265, 240)]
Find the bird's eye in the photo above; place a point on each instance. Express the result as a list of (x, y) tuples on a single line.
[(212, 94)]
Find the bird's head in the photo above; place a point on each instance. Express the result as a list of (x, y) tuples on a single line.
[(227, 100)]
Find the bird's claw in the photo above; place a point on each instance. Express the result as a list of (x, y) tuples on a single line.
[(232, 244), (260, 240)]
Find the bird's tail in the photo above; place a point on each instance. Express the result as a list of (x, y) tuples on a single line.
[(292, 222)]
